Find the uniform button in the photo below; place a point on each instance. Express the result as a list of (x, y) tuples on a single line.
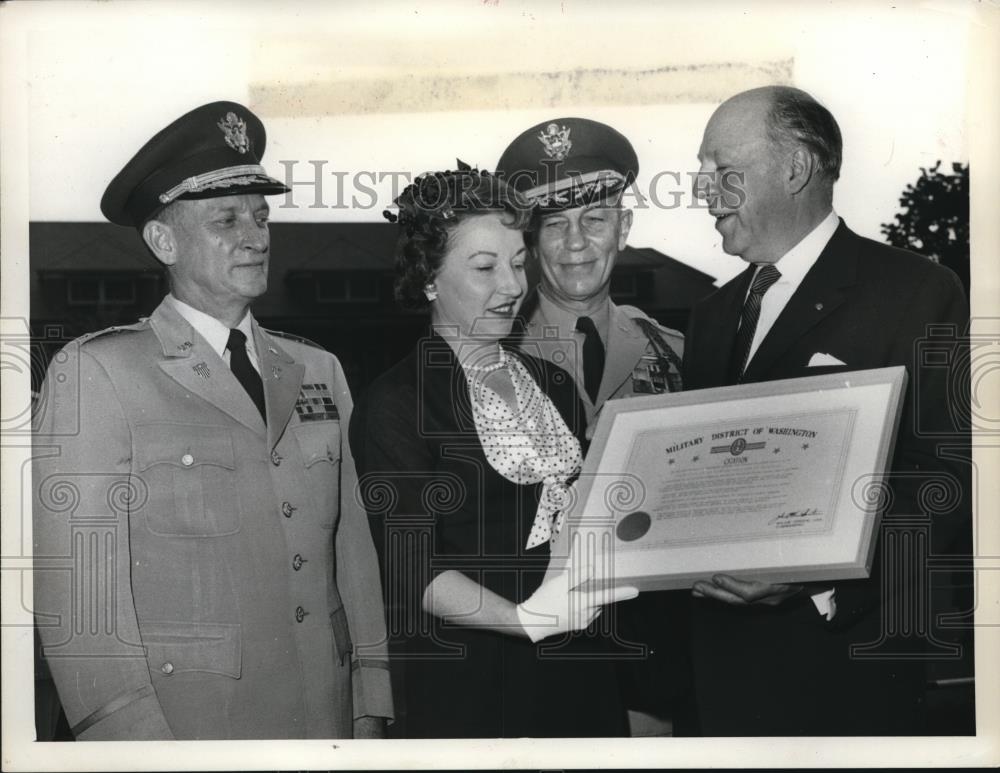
[(300, 614), (297, 562), (187, 460), (287, 509), (167, 668), (275, 458)]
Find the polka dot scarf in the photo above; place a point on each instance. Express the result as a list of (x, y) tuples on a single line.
[(533, 445)]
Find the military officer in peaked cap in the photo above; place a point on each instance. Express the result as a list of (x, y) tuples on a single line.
[(575, 172), (202, 569)]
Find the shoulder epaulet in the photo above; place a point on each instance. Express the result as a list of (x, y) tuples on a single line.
[(295, 338), (142, 324), (635, 313)]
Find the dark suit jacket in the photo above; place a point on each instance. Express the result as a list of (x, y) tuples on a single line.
[(786, 671)]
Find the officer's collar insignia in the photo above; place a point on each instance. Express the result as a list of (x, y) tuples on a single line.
[(234, 129), (184, 346), (202, 369), (556, 142)]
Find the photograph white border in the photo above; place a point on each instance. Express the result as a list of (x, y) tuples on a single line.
[(17, 22)]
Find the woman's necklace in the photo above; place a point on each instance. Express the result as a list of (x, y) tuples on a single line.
[(493, 366)]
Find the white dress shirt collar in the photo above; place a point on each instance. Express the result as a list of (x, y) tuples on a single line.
[(795, 263), (214, 331), (565, 318)]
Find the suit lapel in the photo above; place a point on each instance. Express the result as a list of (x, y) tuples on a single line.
[(282, 377), (820, 293), (626, 344), (192, 363), (719, 319)]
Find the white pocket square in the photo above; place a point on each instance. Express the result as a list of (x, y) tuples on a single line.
[(819, 359)]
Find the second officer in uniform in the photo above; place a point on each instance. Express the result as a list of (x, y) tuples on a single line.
[(575, 172)]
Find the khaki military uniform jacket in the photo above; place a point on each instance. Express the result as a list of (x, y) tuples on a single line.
[(199, 574), (628, 352)]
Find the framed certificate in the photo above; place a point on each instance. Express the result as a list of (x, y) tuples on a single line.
[(779, 481)]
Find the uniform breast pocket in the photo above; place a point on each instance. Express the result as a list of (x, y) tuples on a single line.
[(319, 444), (189, 471)]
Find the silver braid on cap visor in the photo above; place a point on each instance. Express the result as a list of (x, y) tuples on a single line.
[(574, 188), (246, 174)]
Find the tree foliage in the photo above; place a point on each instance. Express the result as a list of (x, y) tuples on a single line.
[(935, 218)]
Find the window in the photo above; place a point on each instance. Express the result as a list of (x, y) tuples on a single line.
[(631, 286), (358, 287), (100, 291), (624, 286)]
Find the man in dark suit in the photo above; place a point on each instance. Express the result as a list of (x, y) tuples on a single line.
[(817, 298)]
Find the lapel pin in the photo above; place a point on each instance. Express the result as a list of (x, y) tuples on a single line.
[(275, 371), (184, 346), (272, 350), (202, 369), (819, 307)]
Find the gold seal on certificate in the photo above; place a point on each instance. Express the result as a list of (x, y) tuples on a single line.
[(779, 481)]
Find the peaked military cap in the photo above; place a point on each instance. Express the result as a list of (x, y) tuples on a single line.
[(212, 151), (569, 162)]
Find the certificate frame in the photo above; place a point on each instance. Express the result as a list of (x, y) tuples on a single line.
[(678, 487)]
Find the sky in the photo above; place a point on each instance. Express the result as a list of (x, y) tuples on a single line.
[(399, 89)]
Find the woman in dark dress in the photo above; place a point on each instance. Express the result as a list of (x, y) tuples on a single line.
[(465, 451)]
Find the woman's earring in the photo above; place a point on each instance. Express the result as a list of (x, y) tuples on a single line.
[(431, 292)]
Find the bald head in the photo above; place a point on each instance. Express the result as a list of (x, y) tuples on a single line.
[(771, 156), (740, 126), (748, 108), (789, 117)]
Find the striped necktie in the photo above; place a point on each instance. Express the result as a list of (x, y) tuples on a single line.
[(766, 276)]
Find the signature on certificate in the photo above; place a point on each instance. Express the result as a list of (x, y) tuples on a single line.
[(794, 518)]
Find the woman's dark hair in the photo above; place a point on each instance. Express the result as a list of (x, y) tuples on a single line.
[(429, 211)]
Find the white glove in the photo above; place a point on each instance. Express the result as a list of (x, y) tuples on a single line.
[(559, 607)]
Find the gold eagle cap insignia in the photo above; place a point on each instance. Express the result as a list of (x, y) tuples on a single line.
[(556, 142), (234, 129)]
